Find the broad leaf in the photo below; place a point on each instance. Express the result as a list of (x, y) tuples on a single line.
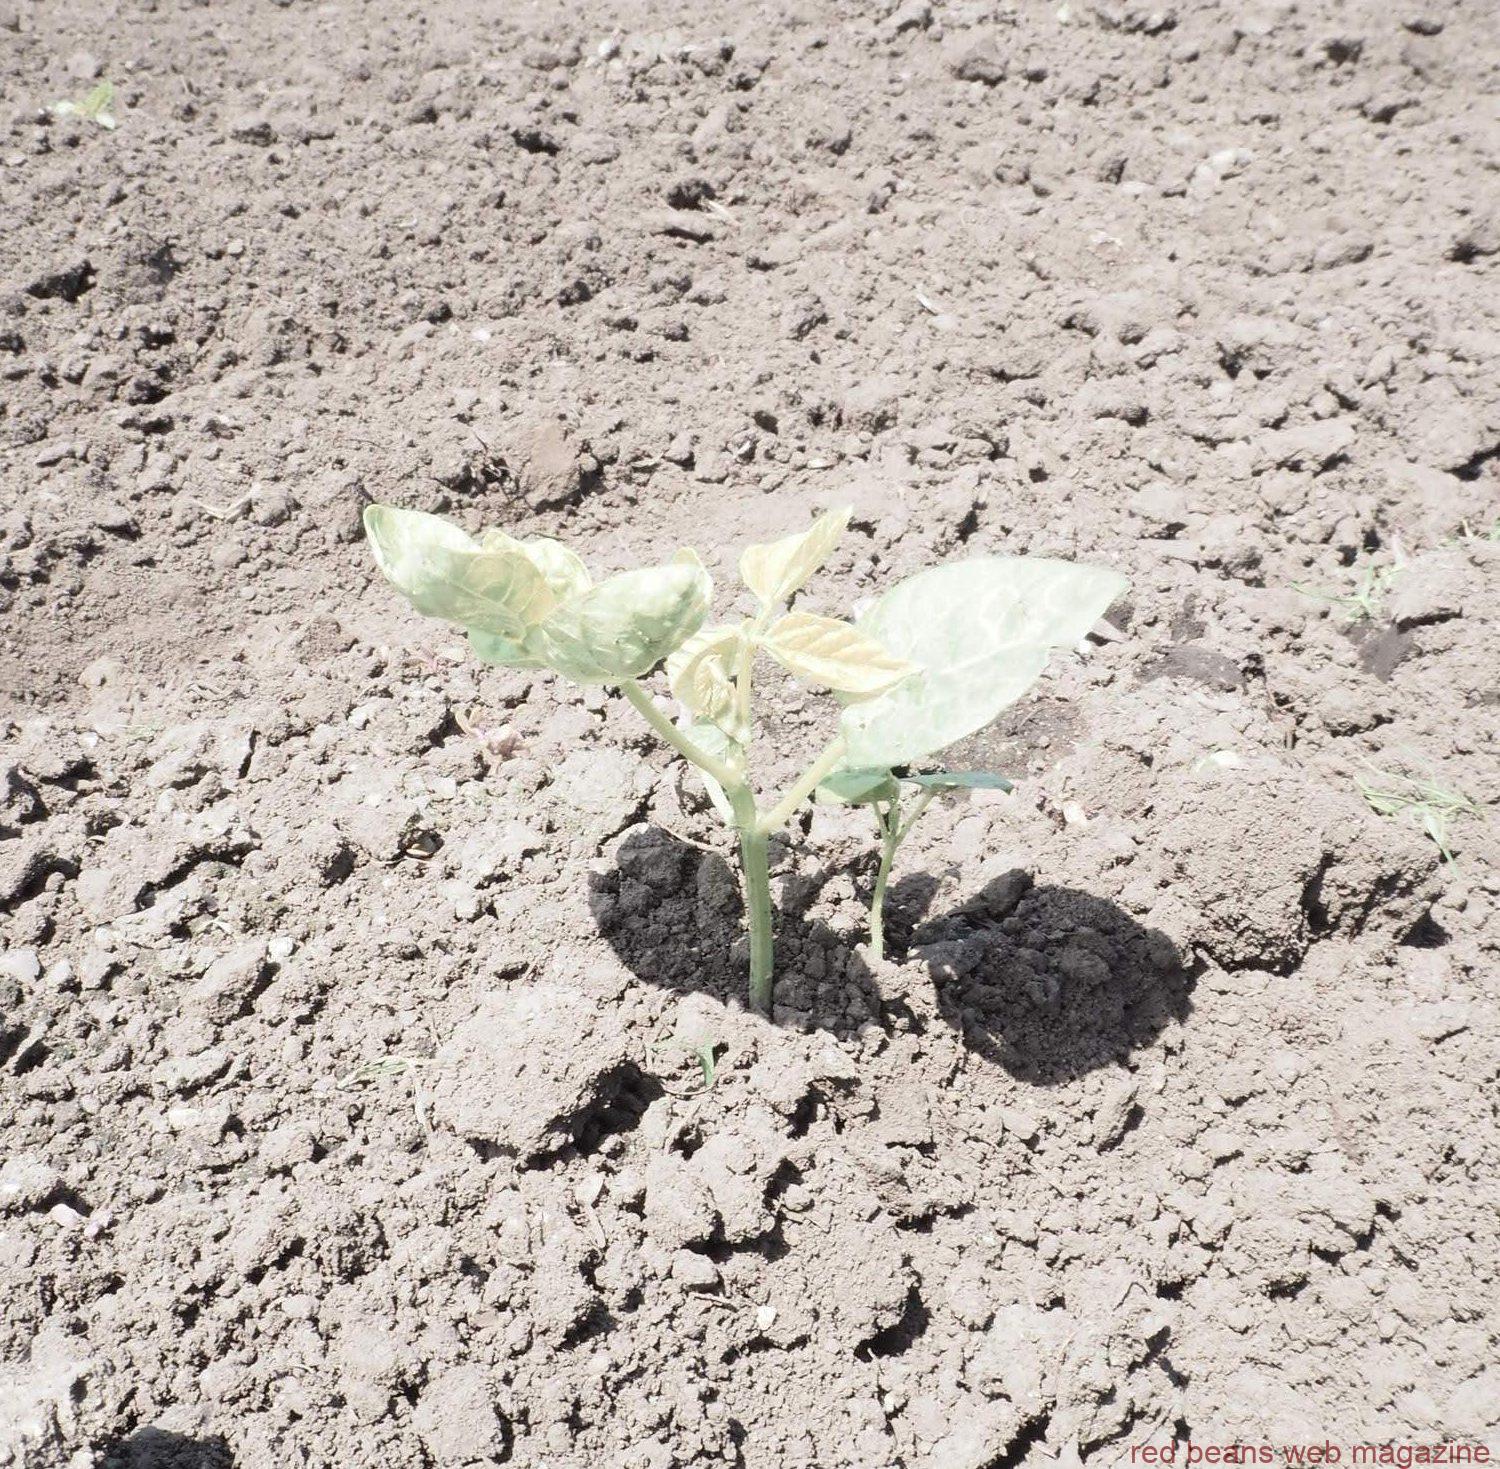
[(959, 780), (560, 568), (824, 650), (775, 570), (700, 674), (444, 573), (980, 632), (858, 787), (625, 626), (529, 652)]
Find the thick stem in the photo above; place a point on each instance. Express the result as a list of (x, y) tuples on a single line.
[(801, 788), (888, 819), (755, 859)]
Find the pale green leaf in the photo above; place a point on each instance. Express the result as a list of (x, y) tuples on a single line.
[(835, 654), (94, 108), (858, 787), (444, 573), (774, 571), (560, 568), (529, 652), (700, 674), (980, 632), (711, 739), (625, 626)]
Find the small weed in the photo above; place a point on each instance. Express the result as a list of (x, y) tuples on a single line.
[(1364, 603), (1425, 799), (94, 108), (1467, 532), (389, 1066)]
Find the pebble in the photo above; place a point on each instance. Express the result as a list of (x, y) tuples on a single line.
[(20, 964), (456, 1419), (27, 1182)]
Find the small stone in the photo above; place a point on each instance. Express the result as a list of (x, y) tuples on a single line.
[(229, 983), (981, 62), (548, 469), (1113, 1115), (286, 1146), (693, 1271), (100, 672), (22, 965), (114, 517)]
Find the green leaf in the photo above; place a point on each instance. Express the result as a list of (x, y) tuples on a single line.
[(858, 787), (625, 626), (443, 572), (94, 108), (960, 780), (980, 632), (775, 571), (827, 651)]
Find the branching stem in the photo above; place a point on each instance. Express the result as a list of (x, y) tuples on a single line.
[(685, 746), (802, 787), (753, 826)]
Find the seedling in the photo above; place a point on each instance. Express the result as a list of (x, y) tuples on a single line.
[(1467, 532), (883, 791), (935, 658), (1433, 805), (95, 108)]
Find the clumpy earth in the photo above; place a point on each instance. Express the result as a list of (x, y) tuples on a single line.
[(353, 994)]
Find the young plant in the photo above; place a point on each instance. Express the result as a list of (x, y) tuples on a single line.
[(934, 659), (95, 108)]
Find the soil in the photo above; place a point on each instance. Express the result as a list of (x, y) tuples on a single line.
[(352, 992)]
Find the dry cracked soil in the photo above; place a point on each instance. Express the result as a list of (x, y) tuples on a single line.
[(352, 991)]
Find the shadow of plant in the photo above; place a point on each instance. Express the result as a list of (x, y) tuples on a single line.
[(159, 1448), (1046, 981)]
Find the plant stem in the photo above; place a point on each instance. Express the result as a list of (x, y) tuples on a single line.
[(689, 749), (801, 788), (890, 839), (755, 860)]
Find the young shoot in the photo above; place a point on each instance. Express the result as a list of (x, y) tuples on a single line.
[(1424, 799), (934, 659), (883, 792), (1366, 602)]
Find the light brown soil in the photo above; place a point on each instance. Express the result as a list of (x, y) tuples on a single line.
[(346, 1110)]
